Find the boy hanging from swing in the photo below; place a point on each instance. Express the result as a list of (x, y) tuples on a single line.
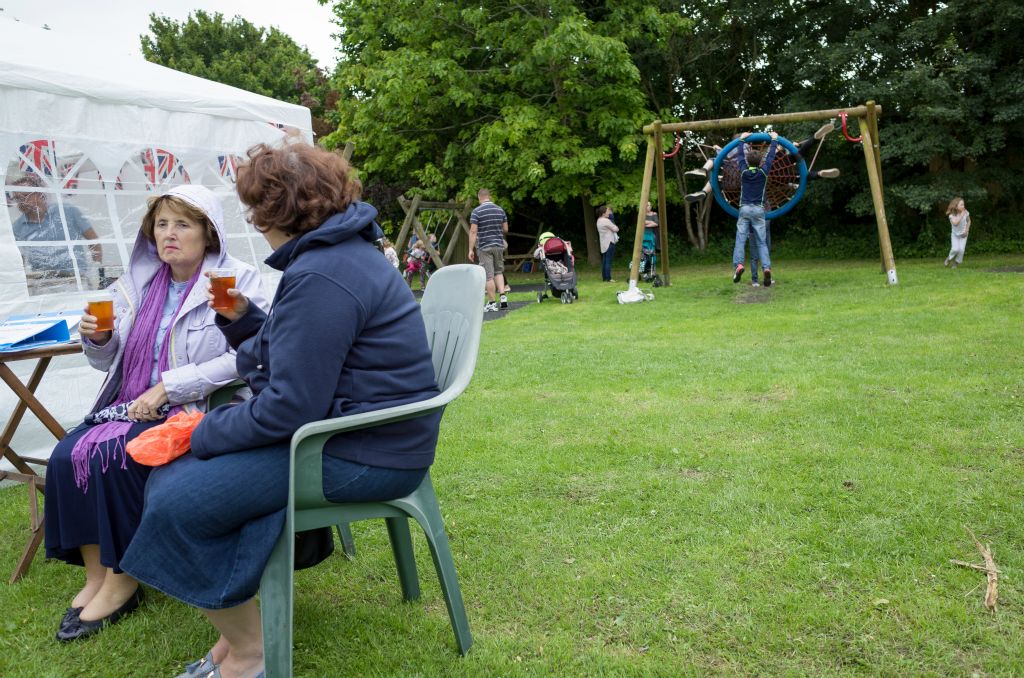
[(802, 148), (753, 186)]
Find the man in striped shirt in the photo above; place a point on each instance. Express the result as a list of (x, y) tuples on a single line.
[(488, 226)]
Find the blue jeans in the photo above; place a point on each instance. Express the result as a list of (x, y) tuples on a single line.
[(606, 262), (751, 217), (208, 526), (754, 261)]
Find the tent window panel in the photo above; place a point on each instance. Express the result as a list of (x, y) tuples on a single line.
[(262, 250), (44, 228), (90, 209), (225, 169), (234, 216), (73, 171), (151, 169), (103, 265), (131, 207), (36, 159), (239, 249)]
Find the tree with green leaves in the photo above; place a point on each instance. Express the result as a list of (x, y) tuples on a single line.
[(948, 75), (536, 100), (238, 53)]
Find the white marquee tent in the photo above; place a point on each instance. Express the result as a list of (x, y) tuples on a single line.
[(96, 134)]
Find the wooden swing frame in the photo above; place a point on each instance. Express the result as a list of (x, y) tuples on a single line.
[(867, 118)]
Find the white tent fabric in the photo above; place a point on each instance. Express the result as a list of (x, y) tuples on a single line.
[(95, 134)]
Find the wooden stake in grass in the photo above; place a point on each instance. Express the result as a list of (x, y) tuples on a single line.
[(990, 570)]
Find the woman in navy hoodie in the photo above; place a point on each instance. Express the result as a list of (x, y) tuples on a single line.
[(344, 335)]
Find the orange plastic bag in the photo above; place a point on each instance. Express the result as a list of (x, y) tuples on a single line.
[(164, 443)]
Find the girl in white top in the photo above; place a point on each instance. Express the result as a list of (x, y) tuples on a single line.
[(960, 220), (390, 253)]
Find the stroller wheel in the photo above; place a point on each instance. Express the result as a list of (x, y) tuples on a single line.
[(575, 294), (540, 297)]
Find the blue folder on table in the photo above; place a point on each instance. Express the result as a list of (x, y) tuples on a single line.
[(33, 330)]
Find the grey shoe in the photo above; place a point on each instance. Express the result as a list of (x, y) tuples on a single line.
[(200, 667), (214, 672), (825, 130), (697, 172), (695, 197), (830, 173)]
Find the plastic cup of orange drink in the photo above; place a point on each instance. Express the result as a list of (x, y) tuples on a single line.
[(222, 280), (101, 305)]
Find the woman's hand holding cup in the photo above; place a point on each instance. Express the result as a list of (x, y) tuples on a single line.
[(97, 323), (223, 297)]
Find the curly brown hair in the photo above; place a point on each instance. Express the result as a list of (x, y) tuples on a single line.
[(295, 188), (194, 213)]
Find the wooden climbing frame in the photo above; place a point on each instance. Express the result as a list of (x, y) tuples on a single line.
[(460, 213), (867, 118)]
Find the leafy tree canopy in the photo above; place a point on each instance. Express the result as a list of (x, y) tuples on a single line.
[(539, 99)]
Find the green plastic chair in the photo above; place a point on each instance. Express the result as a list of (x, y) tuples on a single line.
[(452, 309)]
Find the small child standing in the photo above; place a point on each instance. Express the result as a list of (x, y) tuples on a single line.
[(390, 254), (417, 264), (960, 220)]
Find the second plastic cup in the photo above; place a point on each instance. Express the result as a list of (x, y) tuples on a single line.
[(222, 280)]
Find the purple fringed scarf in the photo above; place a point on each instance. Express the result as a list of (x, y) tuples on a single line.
[(136, 371)]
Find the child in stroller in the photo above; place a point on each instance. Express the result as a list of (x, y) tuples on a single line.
[(555, 256), (417, 263)]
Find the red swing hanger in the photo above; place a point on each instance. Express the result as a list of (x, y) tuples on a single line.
[(679, 144), (842, 116)]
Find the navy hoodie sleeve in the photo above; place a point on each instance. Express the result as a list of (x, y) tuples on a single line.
[(247, 326), (312, 328)]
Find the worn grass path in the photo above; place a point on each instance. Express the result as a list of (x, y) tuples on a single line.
[(697, 485)]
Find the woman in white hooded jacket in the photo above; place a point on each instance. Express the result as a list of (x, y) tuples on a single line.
[(165, 354)]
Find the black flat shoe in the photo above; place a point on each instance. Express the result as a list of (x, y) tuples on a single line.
[(70, 618), (80, 628)]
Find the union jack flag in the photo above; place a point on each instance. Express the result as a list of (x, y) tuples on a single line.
[(228, 164), (160, 169), (70, 180), (36, 157)]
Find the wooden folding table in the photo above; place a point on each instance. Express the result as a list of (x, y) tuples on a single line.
[(28, 401)]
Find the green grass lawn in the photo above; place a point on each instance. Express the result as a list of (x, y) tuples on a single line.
[(722, 481)]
